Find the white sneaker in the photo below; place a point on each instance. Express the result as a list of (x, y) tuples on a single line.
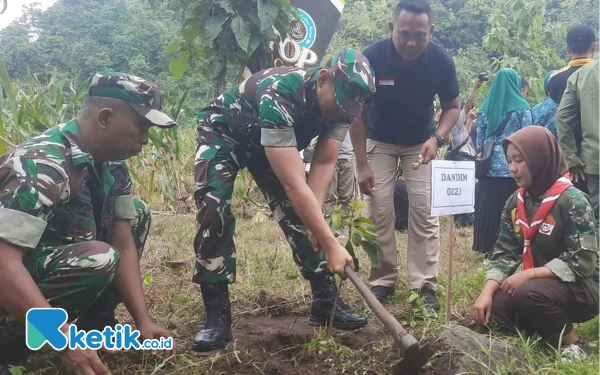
[(577, 351)]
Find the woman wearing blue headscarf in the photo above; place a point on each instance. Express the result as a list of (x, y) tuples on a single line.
[(543, 112), (503, 105)]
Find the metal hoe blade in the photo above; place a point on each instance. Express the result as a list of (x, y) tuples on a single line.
[(412, 361)]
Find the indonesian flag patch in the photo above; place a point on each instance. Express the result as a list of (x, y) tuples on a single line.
[(387, 80)]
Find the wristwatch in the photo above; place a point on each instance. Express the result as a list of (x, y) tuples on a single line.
[(439, 138)]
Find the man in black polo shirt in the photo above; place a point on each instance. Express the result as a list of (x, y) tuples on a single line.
[(410, 70), (581, 44)]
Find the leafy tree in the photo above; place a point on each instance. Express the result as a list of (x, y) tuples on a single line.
[(361, 24), (521, 38), (570, 13), (79, 37), (220, 33), (461, 23), (469, 62)]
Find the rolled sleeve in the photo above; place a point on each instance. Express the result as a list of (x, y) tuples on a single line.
[(496, 275), (278, 137), (337, 132), (21, 229), (124, 208), (561, 269), (31, 190)]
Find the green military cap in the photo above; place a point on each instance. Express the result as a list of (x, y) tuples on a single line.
[(354, 80), (145, 97)]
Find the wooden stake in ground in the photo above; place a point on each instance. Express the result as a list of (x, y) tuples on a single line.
[(450, 252)]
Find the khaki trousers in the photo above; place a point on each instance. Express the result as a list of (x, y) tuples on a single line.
[(423, 229), (342, 188)]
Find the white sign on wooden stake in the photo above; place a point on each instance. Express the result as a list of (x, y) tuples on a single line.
[(452, 192), (452, 187)]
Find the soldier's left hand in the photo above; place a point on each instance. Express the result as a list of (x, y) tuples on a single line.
[(151, 331), (510, 285), (429, 150)]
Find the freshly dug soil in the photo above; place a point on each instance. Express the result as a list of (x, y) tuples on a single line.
[(285, 344)]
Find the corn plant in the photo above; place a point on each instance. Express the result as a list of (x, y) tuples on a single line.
[(29, 107), (37, 103), (164, 169)]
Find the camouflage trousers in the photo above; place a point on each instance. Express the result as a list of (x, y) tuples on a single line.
[(217, 163), (78, 277)]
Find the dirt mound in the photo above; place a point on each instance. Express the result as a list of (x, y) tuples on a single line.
[(275, 333), (276, 344), (273, 305), (287, 344)]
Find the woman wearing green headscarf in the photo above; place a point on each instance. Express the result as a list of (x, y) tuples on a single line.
[(504, 102), (543, 112)]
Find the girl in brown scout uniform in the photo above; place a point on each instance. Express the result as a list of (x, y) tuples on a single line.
[(548, 226)]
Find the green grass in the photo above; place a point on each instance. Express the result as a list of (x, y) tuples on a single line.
[(269, 281)]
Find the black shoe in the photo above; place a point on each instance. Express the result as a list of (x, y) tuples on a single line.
[(101, 313), (216, 332), (96, 321), (429, 297), (324, 292), (13, 350), (383, 293)]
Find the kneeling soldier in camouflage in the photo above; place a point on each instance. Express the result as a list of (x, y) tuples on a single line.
[(71, 233), (261, 124)]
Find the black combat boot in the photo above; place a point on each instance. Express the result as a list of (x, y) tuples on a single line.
[(101, 314), (324, 292), (216, 332), (13, 350)]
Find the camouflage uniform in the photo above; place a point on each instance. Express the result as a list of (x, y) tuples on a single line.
[(275, 108), (57, 205), (569, 250), (565, 244)]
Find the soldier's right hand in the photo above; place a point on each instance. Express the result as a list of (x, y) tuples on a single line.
[(83, 362), (337, 259), (366, 180)]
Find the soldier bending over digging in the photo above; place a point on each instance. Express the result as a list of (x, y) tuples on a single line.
[(261, 124)]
